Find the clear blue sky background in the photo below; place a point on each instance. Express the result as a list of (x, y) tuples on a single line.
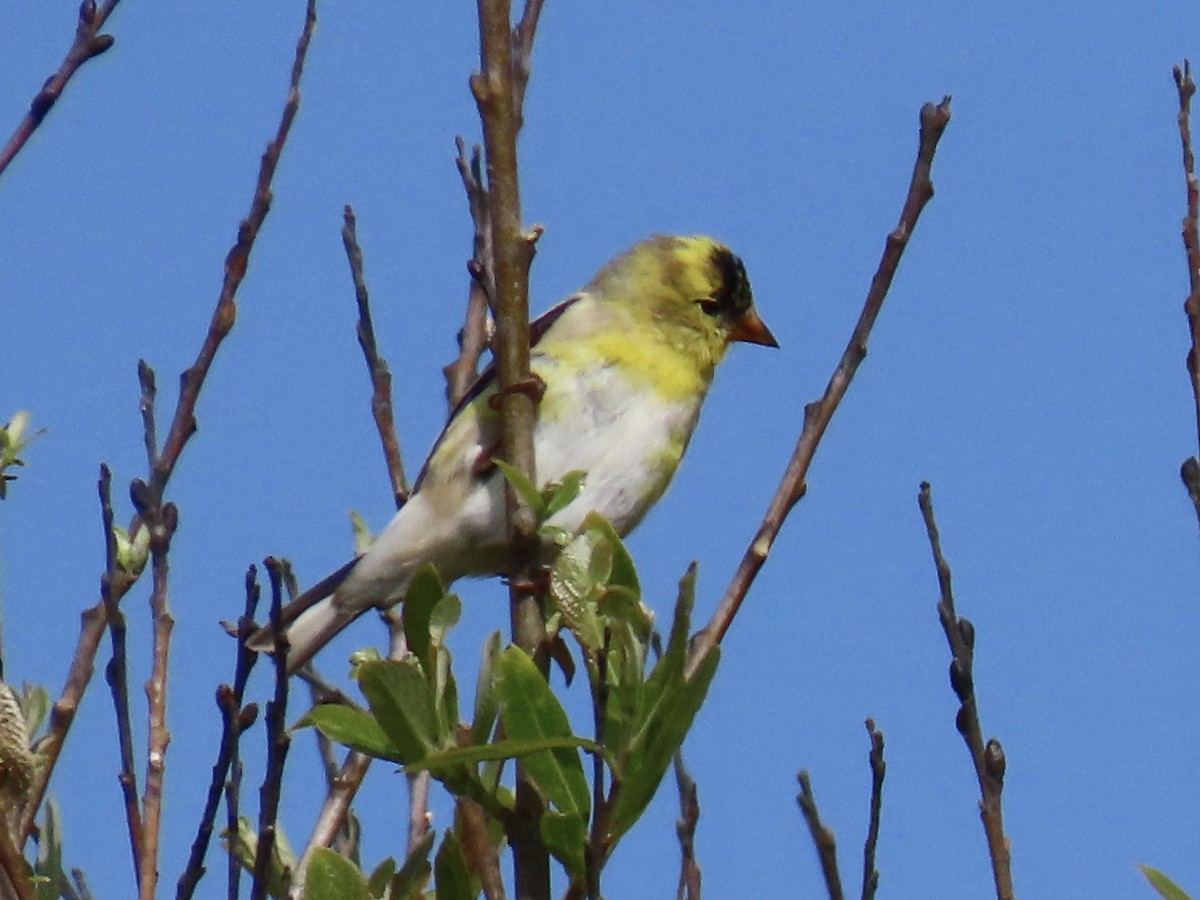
[(1029, 362)]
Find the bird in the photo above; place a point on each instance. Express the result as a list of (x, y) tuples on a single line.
[(624, 366)]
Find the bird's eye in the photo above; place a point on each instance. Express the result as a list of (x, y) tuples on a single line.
[(709, 305)]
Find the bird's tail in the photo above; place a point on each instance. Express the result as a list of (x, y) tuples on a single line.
[(310, 621)]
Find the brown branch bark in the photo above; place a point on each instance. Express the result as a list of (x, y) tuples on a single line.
[(474, 337), (685, 831), (160, 519), (88, 44), (278, 740), (114, 583), (235, 719), (495, 90), (817, 415), (988, 758), (822, 838), (870, 881), (183, 425), (377, 367), (1186, 87)]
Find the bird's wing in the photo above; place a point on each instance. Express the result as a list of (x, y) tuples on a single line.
[(537, 329)]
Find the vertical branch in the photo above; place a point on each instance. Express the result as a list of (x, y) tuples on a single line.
[(817, 415), (278, 740), (160, 521), (1190, 471), (870, 881), (114, 583), (495, 91), (474, 337), (235, 720), (822, 837), (988, 758), (88, 43)]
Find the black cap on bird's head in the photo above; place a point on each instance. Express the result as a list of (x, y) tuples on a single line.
[(734, 301)]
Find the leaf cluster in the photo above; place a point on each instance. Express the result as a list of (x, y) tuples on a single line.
[(641, 715)]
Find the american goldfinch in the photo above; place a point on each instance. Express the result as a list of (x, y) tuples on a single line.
[(626, 364)]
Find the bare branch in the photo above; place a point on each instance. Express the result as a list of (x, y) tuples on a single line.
[(988, 758), (518, 392), (94, 620), (278, 740), (381, 375), (817, 415), (160, 519), (475, 337), (822, 837), (88, 43), (113, 584), (685, 830), (235, 720), (870, 881), (1190, 470)]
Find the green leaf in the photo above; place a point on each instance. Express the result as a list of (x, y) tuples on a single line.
[(574, 591), (666, 707), (525, 488), (423, 595), (506, 749), (353, 728), (559, 494), (451, 878), (402, 703), (622, 574), (487, 704), (531, 712), (331, 876), (378, 883), (48, 872), (653, 747), (409, 883), (566, 837), (1167, 889)]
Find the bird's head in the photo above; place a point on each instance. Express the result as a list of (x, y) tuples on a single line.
[(695, 283)]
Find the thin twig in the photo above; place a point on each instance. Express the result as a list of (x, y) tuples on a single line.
[(332, 818), (685, 830), (474, 338), (513, 249), (817, 415), (88, 43), (114, 583), (988, 758), (235, 720), (1190, 471), (233, 794), (160, 519), (278, 741), (822, 838), (381, 376), (870, 882), (94, 619)]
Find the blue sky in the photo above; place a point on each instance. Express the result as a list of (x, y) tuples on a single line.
[(1029, 362)]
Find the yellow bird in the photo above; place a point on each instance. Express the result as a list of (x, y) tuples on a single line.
[(626, 365)]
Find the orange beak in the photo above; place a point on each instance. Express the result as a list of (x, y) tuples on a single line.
[(750, 329)]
